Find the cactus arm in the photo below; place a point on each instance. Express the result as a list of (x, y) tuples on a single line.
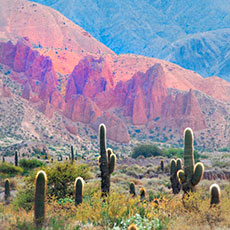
[(188, 153), (198, 174), (178, 164), (172, 166), (112, 163), (181, 176)]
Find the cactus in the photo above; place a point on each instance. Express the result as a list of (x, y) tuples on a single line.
[(72, 155), (215, 194), (162, 165), (78, 190), (40, 198), (191, 175), (132, 227), (132, 189), (7, 190), (107, 161), (142, 193), (175, 166), (60, 158), (16, 158)]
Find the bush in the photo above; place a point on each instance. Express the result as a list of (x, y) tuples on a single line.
[(10, 169), (61, 177), (179, 153), (30, 164), (146, 151), (25, 197)]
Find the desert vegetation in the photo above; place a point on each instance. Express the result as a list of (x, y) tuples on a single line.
[(112, 193)]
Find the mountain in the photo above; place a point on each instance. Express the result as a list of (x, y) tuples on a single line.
[(138, 98), (192, 34)]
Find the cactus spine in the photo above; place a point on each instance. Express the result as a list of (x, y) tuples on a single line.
[(72, 154), (40, 198), (16, 158), (7, 190), (132, 189), (191, 175), (107, 161), (175, 166), (215, 194), (78, 190)]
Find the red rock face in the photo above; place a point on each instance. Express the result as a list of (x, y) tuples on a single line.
[(115, 128), (182, 111), (38, 77), (81, 108), (90, 77), (141, 97)]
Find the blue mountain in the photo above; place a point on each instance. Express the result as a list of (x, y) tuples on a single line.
[(193, 34)]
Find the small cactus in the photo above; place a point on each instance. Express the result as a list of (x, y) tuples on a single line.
[(132, 227), (40, 198), (175, 166), (78, 190), (7, 190), (142, 193), (72, 154), (107, 161), (132, 189), (162, 165), (192, 174), (16, 158), (215, 194)]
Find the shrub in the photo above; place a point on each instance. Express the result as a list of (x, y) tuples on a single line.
[(179, 153), (146, 151), (30, 164), (9, 169)]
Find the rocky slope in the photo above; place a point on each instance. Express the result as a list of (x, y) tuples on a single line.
[(138, 98), (191, 34)]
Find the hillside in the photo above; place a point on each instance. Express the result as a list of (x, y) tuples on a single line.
[(191, 34), (140, 99)]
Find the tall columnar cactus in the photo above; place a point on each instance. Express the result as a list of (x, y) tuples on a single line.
[(192, 174), (175, 166), (132, 227), (142, 193), (162, 165), (78, 190), (107, 161), (215, 194), (40, 198), (72, 154), (7, 189), (16, 158), (132, 189)]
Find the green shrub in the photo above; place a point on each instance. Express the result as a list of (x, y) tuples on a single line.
[(9, 169), (30, 164), (178, 153), (25, 197), (146, 151), (61, 177)]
